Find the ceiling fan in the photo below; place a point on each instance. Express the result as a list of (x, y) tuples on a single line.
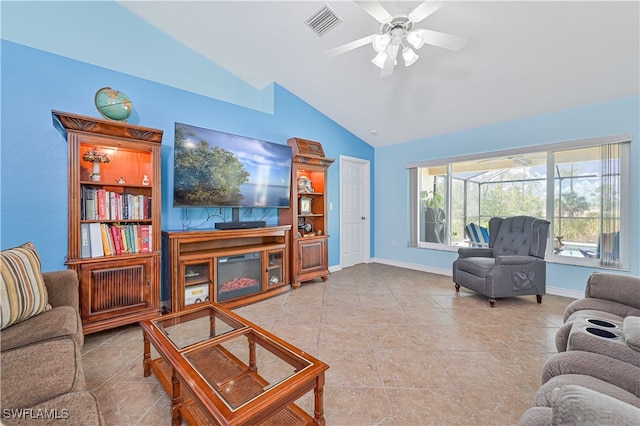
[(394, 30)]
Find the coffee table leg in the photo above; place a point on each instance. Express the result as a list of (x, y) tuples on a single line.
[(319, 405), (146, 360), (176, 400)]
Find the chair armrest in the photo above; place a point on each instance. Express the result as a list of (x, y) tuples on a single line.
[(516, 260), (474, 252), (62, 288), (577, 405), (618, 373), (622, 289)]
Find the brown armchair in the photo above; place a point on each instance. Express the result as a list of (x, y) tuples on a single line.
[(513, 265)]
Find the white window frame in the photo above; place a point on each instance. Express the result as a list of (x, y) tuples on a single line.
[(414, 205)]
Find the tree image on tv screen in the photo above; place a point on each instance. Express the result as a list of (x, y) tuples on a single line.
[(205, 175)]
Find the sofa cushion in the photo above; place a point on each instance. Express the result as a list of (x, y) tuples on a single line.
[(575, 405), (536, 416), (22, 290), (631, 329), (544, 395), (58, 323), (74, 408), (478, 266), (33, 374)]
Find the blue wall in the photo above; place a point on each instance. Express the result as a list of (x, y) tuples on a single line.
[(34, 155), (391, 206)]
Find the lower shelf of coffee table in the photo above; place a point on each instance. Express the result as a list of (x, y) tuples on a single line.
[(291, 415)]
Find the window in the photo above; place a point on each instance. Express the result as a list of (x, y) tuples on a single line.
[(577, 186)]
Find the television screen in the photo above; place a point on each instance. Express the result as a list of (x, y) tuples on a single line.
[(216, 169)]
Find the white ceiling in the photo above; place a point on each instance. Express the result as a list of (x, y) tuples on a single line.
[(522, 59)]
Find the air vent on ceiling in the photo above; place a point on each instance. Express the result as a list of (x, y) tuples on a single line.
[(323, 20)]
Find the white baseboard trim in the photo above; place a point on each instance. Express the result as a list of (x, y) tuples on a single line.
[(414, 266), (556, 291), (335, 268)]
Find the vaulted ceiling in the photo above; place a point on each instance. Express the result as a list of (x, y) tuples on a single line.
[(522, 59)]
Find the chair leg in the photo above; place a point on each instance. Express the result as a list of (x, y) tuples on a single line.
[(457, 288), (492, 302), (539, 298)]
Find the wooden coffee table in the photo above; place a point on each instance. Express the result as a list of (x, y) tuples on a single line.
[(219, 368)]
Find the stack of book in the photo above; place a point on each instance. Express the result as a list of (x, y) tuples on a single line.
[(100, 204), (102, 239)]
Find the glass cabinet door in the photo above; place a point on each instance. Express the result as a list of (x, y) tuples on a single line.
[(196, 276), (275, 269)]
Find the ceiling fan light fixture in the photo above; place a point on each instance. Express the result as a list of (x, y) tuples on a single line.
[(410, 57), (380, 42), (379, 60), (417, 38)]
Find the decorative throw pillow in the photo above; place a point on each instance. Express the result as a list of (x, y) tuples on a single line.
[(22, 290)]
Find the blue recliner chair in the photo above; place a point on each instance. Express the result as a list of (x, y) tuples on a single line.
[(512, 265)]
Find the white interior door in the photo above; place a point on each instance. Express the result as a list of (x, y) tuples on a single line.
[(354, 211)]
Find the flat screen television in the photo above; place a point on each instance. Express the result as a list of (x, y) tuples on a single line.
[(217, 169)]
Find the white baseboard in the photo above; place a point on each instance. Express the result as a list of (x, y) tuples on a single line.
[(414, 266), (556, 291)]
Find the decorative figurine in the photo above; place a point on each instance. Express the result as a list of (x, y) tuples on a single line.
[(145, 180)]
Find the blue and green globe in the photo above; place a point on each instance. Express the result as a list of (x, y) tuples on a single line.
[(113, 104)]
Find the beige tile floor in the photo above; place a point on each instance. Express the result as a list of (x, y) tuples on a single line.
[(403, 349)]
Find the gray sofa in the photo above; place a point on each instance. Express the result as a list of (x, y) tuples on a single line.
[(576, 405), (597, 379), (513, 265), (584, 388), (42, 376), (607, 296)]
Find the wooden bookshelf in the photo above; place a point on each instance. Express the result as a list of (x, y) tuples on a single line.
[(308, 214), (120, 282)]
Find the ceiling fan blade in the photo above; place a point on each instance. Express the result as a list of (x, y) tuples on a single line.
[(423, 10), (390, 62), (376, 10), (446, 41), (349, 46)]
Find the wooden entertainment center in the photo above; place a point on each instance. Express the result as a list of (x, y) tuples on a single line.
[(232, 267)]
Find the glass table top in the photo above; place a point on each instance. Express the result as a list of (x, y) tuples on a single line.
[(244, 366), (198, 326), (237, 360)]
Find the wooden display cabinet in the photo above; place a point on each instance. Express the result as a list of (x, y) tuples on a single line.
[(232, 267), (114, 219), (308, 212)]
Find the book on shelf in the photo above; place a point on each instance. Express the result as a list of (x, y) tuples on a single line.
[(103, 239), (85, 242), (100, 204), (107, 242), (95, 240), (145, 234), (117, 239), (90, 203), (113, 206)]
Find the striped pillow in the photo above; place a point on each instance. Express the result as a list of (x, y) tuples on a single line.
[(22, 290)]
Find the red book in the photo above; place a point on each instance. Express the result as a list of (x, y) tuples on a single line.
[(144, 239), (102, 205), (116, 239), (145, 206)]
